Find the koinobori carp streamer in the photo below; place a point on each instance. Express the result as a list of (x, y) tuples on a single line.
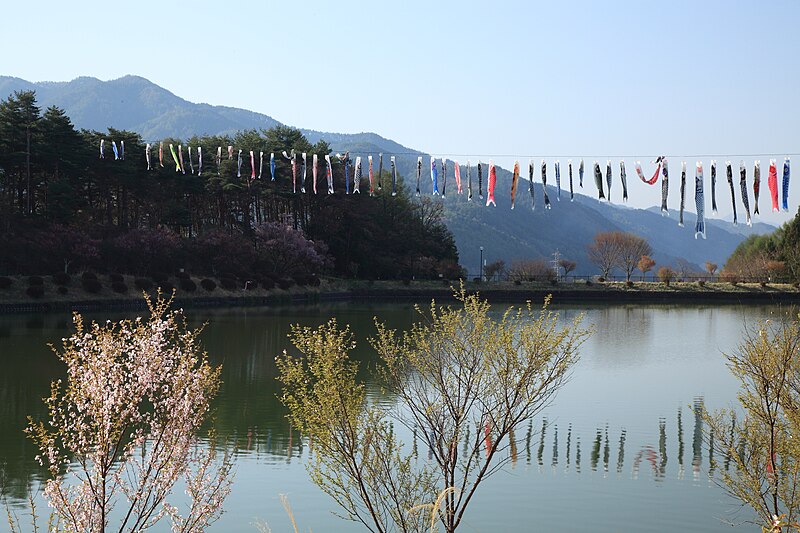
[(699, 201), (434, 176), (147, 155), (756, 184), (743, 187), (329, 173), (314, 172), (729, 175), (664, 187), (492, 181), (469, 181), (444, 176), (580, 174), (652, 180), (714, 185), (457, 174), (419, 173), (238, 164), (272, 166), (571, 191), (394, 175), (303, 156), (608, 178), (558, 181), (530, 184), (175, 158), (772, 183), (683, 192), (199, 160), (357, 177), (371, 176), (514, 180), (598, 181), (544, 185), (624, 178), (786, 184)]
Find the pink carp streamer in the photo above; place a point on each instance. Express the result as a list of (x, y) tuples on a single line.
[(457, 173), (252, 165), (654, 179), (772, 183), (161, 154), (492, 181)]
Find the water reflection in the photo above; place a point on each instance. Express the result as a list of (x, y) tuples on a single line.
[(635, 354)]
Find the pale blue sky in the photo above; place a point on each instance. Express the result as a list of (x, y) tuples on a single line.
[(460, 78)]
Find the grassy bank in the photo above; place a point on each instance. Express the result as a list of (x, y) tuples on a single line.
[(18, 297)]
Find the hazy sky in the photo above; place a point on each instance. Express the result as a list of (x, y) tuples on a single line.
[(508, 80)]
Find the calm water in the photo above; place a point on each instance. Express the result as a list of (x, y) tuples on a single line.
[(619, 450)]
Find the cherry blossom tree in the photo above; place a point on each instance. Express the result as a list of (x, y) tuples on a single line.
[(123, 427)]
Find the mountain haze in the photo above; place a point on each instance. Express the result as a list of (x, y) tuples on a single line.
[(136, 104)]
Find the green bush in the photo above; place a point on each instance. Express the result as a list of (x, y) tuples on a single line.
[(229, 284), (268, 283), (208, 284)]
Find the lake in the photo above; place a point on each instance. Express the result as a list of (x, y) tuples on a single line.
[(620, 449)]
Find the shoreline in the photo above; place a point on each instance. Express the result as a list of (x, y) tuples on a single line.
[(416, 291)]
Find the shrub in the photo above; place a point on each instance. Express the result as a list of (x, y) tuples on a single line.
[(229, 284), (91, 285), (182, 274), (629, 284), (763, 284), (88, 275), (517, 282), (119, 287), (61, 278), (35, 281), (143, 284), (187, 285), (701, 283), (62, 289), (476, 280), (268, 283), (666, 275), (116, 278), (314, 281), (208, 284), (159, 277), (5, 282), (601, 279), (406, 281), (35, 291)]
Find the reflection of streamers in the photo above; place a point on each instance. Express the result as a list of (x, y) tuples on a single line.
[(487, 438), (595, 456), (554, 461), (540, 451), (621, 453), (513, 447)]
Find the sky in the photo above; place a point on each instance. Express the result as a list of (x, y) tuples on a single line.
[(499, 80)]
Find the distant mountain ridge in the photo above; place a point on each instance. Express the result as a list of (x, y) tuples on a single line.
[(136, 104)]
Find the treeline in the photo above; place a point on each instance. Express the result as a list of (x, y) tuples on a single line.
[(63, 207), (771, 257)]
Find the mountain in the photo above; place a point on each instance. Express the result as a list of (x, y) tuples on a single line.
[(136, 104)]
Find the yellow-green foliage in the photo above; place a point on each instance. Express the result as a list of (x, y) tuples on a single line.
[(763, 445), (463, 380)]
